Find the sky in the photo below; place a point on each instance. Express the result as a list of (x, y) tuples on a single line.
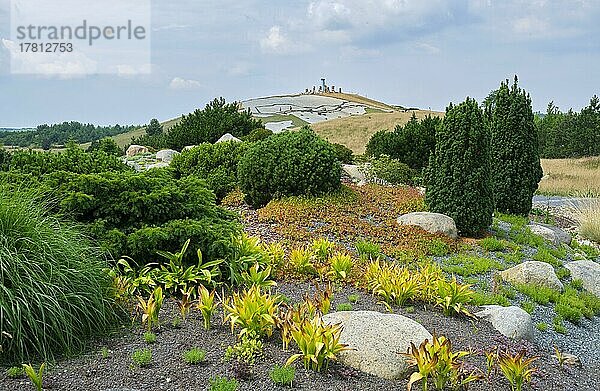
[(417, 53)]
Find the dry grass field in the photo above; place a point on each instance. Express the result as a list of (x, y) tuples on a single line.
[(355, 132), (571, 177), (124, 139)]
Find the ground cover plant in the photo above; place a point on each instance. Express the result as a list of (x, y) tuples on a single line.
[(352, 214)]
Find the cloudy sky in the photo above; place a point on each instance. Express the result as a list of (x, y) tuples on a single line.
[(422, 53)]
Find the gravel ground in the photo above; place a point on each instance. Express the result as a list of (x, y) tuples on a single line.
[(169, 372)]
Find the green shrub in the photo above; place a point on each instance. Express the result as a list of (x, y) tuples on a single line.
[(15, 372), (194, 356), (288, 163), (459, 182), (53, 285), (149, 337), (367, 249), (257, 135), (106, 145), (136, 214), (209, 124), (222, 384), (343, 153), (283, 375), (541, 326), (142, 357), (215, 163), (516, 168), (558, 325), (411, 144), (528, 306), (437, 247), (344, 307), (392, 170), (73, 159), (539, 294)]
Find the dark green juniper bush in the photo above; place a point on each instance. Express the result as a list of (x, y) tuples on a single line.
[(459, 178)]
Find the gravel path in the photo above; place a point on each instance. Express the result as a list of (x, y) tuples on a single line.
[(169, 372)]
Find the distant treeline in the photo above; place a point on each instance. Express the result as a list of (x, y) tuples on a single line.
[(44, 136), (570, 134)]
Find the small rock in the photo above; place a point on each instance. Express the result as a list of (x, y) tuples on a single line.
[(354, 172), (436, 223), (552, 234), (533, 272), (588, 272), (512, 321), (166, 155), (378, 340), (228, 137), (157, 165), (135, 150), (188, 147)]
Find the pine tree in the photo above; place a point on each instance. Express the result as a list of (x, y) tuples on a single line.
[(459, 176), (514, 149), (155, 128)]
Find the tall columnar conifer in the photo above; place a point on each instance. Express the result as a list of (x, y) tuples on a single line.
[(459, 174), (516, 169)]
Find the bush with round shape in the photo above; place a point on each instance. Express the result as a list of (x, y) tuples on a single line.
[(392, 170), (459, 178), (258, 134), (215, 163), (288, 163), (54, 290), (343, 153)]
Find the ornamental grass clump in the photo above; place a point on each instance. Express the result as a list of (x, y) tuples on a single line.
[(54, 290)]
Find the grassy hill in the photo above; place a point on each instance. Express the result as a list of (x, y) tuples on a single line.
[(353, 132)]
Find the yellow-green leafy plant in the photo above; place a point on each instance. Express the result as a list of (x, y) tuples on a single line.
[(284, 321), (151, 307), (436, 362), (516, 368), (428, 276), (453, 296), (175, 276), (340, 266), (322, 248), (321, 301), (246, 251), (206, 304), (36, 377), (393, 283), (252, 311), (256, 276), (319, 343), (185, 303), (274, 253), (302, 261)]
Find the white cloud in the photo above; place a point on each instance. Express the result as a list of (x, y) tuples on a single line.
[(240, 69), (179, 83), (127, 71), (426, 48), (277, 42)]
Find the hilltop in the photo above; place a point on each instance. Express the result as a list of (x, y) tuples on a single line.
[(347, 119)]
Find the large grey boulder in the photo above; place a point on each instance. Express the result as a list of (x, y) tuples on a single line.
[(552, 234), (511, 321), (588, 272), (436, 223), (228, 137), (166, 155), (135, 150), (533, 272), (378, 340)]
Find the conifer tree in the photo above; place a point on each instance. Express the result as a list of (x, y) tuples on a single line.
[(459, 176), (516, 168)]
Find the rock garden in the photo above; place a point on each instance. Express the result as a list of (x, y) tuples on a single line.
[(250, 264)]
